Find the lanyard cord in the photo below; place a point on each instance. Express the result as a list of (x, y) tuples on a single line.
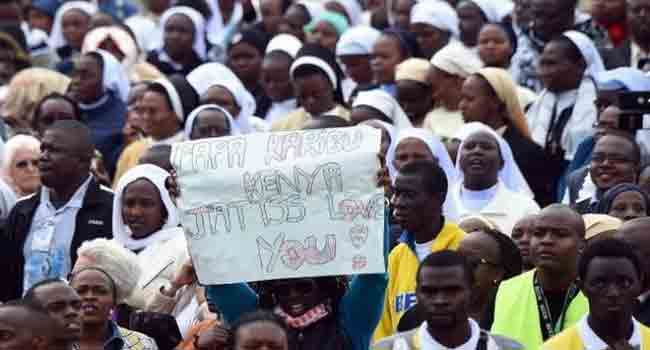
[(545, 310)]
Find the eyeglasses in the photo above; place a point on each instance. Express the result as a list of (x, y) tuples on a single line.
[(283, 289), (475, 262)]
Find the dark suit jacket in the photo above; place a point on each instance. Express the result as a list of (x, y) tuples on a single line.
[(620, 56), (533, 162), (94, 220)]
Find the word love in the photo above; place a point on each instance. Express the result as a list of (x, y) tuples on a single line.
[(294, 254)]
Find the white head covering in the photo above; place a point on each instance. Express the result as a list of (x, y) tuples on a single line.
[(57, 40), (318, 62), (121, 231), (174, 97), (189, 124), (354, 11), (199, 27), (208, 75), (490, 9), (628, 78), (386, 104), (435, 146), (114, 77), (119, 36), (357, 41), (438, 14), (218, 31), (457, 60), (510, 175), (588, 50), (438, 150), (286, 43)]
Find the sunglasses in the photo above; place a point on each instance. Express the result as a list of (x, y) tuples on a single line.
[(283, 289)]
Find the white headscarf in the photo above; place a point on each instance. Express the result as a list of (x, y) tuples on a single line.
[(208, 75), (123, 40), (354, 11), (510, 175), (457, 60), (436, 13), (199, 27), (114, 77), (357, 41), (435, 146), (121, 231), (386, 104), (219, 32), (320, 64), (438, 150), (588, 50), (286, 43), (57, 40), (490, 9), (189, 124)]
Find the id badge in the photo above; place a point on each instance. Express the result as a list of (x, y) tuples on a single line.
[(42, 240)]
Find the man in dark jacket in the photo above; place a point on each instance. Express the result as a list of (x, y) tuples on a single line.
[(44, 230)]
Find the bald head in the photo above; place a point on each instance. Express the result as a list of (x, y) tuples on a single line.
[(569, 216)]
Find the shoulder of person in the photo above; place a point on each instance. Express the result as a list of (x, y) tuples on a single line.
[(136, 341), (499, 342), (399, 341)]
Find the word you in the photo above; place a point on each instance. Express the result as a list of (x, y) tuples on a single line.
[(294, 254)]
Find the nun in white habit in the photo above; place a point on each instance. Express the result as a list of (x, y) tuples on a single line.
[(190, 131), (503, 197), (212, 75), (436, 150), (289, 45), (57, 40), (440, 17), (219, 32), (162, 59), (160, 246), (356, 42), (550, 107), (386, 104)]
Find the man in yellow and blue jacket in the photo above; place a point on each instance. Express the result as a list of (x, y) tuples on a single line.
[(419, 193)]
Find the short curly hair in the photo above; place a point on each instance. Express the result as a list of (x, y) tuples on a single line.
[(119, 263)]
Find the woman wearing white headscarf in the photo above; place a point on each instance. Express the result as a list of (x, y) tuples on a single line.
[(182, 46), (354, 50), (473, 15), (217, 84), (219, 31), (437, 16), (382, 102), (280, 54), (413, 144), (490, 182), (67, 45), (563, 115), (104, 108), (210, 121), (152, 231), (122, 45)]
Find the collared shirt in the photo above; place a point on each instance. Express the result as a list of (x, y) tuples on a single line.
[(47, 247), (124, 339), (429, 343), (592, 341)]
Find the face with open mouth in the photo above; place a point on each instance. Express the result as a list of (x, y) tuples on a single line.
[(480, 161), (297, 296), (97, 292)]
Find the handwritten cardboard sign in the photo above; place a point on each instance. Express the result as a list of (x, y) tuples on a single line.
[(282, 205)]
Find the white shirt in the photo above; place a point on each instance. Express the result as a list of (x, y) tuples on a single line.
[(429, 343), (280, 110), (47, 247), (422, 250), (591, 341), (505, 208)]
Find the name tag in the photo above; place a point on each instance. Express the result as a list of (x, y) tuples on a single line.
[(43, 237), (96, 222)]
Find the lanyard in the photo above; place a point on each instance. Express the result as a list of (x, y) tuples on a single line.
[(545, 311)]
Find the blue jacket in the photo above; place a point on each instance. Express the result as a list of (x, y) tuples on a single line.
[(106, 121), (359, 309)]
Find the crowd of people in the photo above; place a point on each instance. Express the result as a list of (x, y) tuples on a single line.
[(514, 158)]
